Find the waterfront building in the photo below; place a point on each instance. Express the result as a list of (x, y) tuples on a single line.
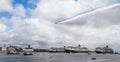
[(4, 48)]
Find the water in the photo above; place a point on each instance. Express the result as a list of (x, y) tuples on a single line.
[(60, 58)]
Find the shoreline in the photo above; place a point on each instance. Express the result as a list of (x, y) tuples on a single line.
[(48, 53)]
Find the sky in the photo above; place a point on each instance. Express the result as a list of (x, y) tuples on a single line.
[(58, 23)]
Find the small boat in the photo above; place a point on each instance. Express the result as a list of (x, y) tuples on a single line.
[(105, 49), (77, 49)]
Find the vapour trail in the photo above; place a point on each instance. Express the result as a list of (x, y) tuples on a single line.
[(89, 12)]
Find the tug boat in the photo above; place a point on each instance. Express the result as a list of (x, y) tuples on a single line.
[(77, 49), (105, 49)]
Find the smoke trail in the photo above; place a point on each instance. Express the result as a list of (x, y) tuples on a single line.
[(91, 11)]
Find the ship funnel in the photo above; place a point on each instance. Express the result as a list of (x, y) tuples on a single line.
[(79, 45), (107, 46), (64, 46), (29, 46)]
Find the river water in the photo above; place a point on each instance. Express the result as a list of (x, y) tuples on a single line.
[(60, 58)]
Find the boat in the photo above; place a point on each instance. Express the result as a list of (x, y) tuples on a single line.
[(77, 49), (105, 49), (28, 50)]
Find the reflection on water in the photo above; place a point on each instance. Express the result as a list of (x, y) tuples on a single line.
[(59, 58)]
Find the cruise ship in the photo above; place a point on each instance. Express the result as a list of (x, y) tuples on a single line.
[(105, 49), (76, 49), (56, 50)]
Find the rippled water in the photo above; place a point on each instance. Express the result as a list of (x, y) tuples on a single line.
[(60, 58)]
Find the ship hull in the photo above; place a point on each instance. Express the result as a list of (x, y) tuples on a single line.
[(27, 54), (74, 51), (12, 53), (99, 52), (56, 51)]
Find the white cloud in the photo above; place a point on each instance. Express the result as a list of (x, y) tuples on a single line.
[(4, 35), (2, 27), (19, 10), (33, 31), (5, 5)]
